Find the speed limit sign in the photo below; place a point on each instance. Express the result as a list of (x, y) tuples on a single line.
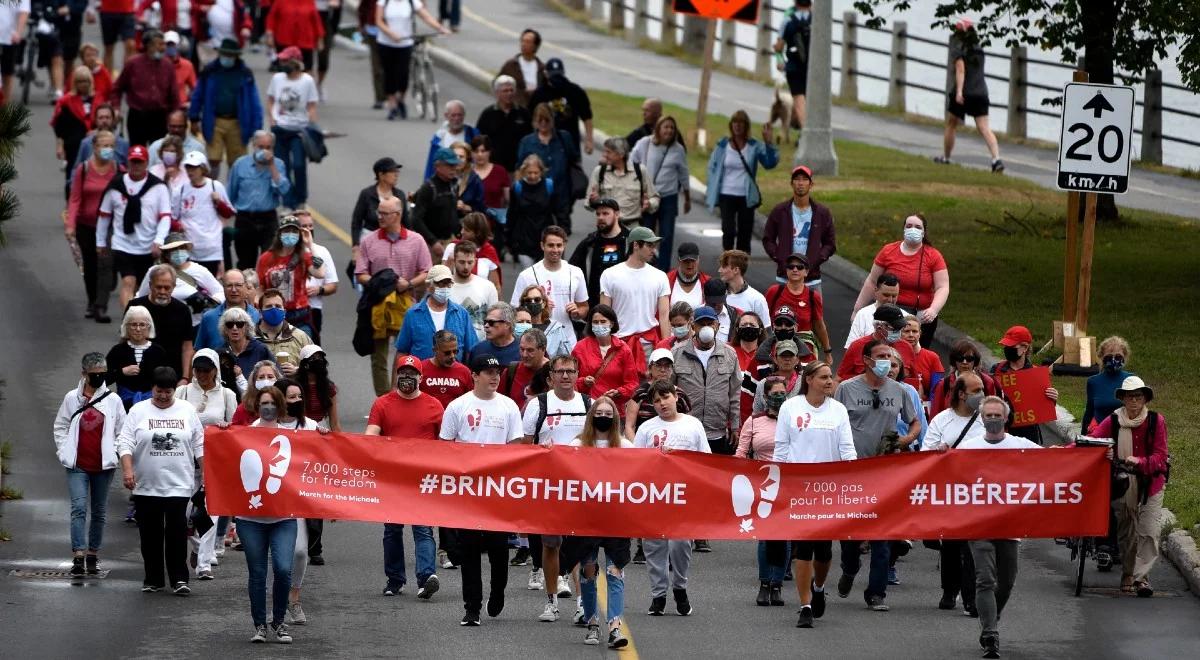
[(1097, 136)]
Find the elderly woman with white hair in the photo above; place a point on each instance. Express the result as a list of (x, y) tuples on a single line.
[(132, 361), (628, 183), (237, 329), (85, 439)]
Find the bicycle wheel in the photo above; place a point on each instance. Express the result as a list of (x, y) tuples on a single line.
[(1085, 545), (431, 89), (28, 69), (416, 86)]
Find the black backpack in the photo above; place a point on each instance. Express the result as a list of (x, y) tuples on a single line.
[(543, 402)]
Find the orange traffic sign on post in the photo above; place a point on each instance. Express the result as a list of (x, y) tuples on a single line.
[(745, 11)]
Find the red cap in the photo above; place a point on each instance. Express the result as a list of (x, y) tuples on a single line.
[(290, 53), (409, 361), (802, 169), (1018, 334), (138, 152)]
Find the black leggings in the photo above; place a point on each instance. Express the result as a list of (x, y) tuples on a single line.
[(85, 236), (395, 63), (331, 17), (162, 526), (737, 222)]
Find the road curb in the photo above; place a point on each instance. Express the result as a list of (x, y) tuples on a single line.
[(1180, 548)]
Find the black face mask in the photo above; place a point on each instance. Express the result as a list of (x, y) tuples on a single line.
[(602, 424), (785, 334), (295, 409), (95, 380), (748, 333), (318, 367), (1011, 353)]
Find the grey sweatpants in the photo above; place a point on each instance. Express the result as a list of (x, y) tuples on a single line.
[(663, 556), (995, 574)]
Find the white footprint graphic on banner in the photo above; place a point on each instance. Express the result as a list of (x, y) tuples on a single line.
[(252, 470), (743, 495)]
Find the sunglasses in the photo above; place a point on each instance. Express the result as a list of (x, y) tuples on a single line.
[(230, 325), (526, 301), (968, 358), (491, 322), (797, 267)]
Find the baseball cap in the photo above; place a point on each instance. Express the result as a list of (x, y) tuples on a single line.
[(409, 361), (446, 156), (715, 289), (963, 24), (439, 273), (1018, 334), (289, 220), (688, 251), (195, 159), (662, 354), (554, 67), (290, 53), (171, 37), (174, 240), (786, 346), (203, 362), (802, 169), (138, 152), (309, 351), (797, 256), (890, 314), (386, 164), (481, 363), (704, 312), (785, 312), (607, 203), (643, 235)]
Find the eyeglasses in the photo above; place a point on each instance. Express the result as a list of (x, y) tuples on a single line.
[(565, 372), (138, 324), (527, 301), (968, 358), (490, 322), (797, 267), (230, 325)]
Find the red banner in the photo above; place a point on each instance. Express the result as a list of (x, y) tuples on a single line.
[(1026, 392), (645, 493)]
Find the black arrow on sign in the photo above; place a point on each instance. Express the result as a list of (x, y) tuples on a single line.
[(1098, 105)]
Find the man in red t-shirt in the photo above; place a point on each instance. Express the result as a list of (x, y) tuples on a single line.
[(889, 321), (445, 378), (806, 303), (407, 412), (519, 376)]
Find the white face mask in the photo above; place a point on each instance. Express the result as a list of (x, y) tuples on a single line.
[(913, 235), (707, 334)]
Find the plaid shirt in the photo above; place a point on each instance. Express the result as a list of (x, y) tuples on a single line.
[(408, 255)]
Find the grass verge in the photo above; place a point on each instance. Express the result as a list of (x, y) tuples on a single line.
[(1004, 239), (10, 493)]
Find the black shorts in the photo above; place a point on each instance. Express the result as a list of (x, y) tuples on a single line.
[(8, 59), (809, 550), (975, 106), (116, 27), (49, 46), (132, 265), (797, 81), (395, 63), (70, 33)]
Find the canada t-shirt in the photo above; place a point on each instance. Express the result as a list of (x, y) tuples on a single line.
[(635, 293), (779, 295), (564, 419), (164, 444), (292, 97), (445, 384), (474, 295), (563, 286), (494, 421), (685, 432), (194, 208), (407, 418), (914, 272)]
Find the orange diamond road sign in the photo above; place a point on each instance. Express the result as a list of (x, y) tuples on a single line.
[(745, 11)]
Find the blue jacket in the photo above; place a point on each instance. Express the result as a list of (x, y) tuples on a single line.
[(435, 143), (204, 100), (208, 335), (556, 157), (416, 335), (756, 153)]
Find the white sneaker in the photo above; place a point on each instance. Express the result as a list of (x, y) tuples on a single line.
[(549, 614), (295, 615), (260, 635), (578, 618), (535, 579), (220, 551), (564, 587)]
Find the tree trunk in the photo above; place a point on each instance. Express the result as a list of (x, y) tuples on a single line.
[(1099, 23)]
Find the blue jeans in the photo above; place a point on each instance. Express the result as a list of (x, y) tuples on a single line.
[(773, 573), (880, 553), (290, 149), (257, 539), (85, 488), (393, 552), (662, 222), (587, 590)]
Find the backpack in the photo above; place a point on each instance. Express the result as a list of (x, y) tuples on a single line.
[(637, 172), (797, 47), (549, 186), (543, 402)]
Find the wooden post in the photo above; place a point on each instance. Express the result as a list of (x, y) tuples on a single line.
[(616, 14), (710, 36), (729, 44), (1017, 76), (1085, 264), (577, 5), (849, 87), (764, 59), (668, 37), (1071, 257), (1152, 118), (899, 62)]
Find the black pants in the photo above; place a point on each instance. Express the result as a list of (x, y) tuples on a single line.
[(721, 446), (255, 231), (162, 526), (737, 222), (316, 528), (145, 126), (86, 237), (332, 18), (958, 571), (316, 317), (471, 546)]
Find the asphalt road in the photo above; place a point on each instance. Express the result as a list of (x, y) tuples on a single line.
[(44, 334)]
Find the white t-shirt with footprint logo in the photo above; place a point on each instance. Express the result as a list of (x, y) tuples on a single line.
[(494, 421), (686, 432)]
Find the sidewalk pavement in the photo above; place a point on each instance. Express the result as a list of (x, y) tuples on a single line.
[(599, 61)]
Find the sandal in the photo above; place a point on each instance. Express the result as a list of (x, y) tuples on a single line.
[(1127, 584)]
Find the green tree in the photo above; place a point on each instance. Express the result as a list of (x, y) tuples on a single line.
[(14, 125)]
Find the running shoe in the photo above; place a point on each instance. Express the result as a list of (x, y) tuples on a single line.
[(150, 588), (260, 635), (295, 615), (444, 560), (593, 635), (182, 589), (578, 618), (990, 645), (564, 587), (845, 584), (1143, 589), (998, 168), (470, 619), (204, 575), (77, 567), (316, 560), (93, 564), (616, 640), (893, 576), (393, 588), (495, 604), (549, 613), (682, 606), (818, 602), (700, 545), (431, 586), (941, 160), (521, 558), (535, 579), (948, 601), (806, 618), (876, 604), (658, 605), (281, 633)]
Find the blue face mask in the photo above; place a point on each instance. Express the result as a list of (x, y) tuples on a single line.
[(227, 61), (601, 330), (442, 294), (274, 316), (881, 368), (893, 336), (520, 328), (107, 153), (179, 257), (290, 239), (172, 51), (260, 156)]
